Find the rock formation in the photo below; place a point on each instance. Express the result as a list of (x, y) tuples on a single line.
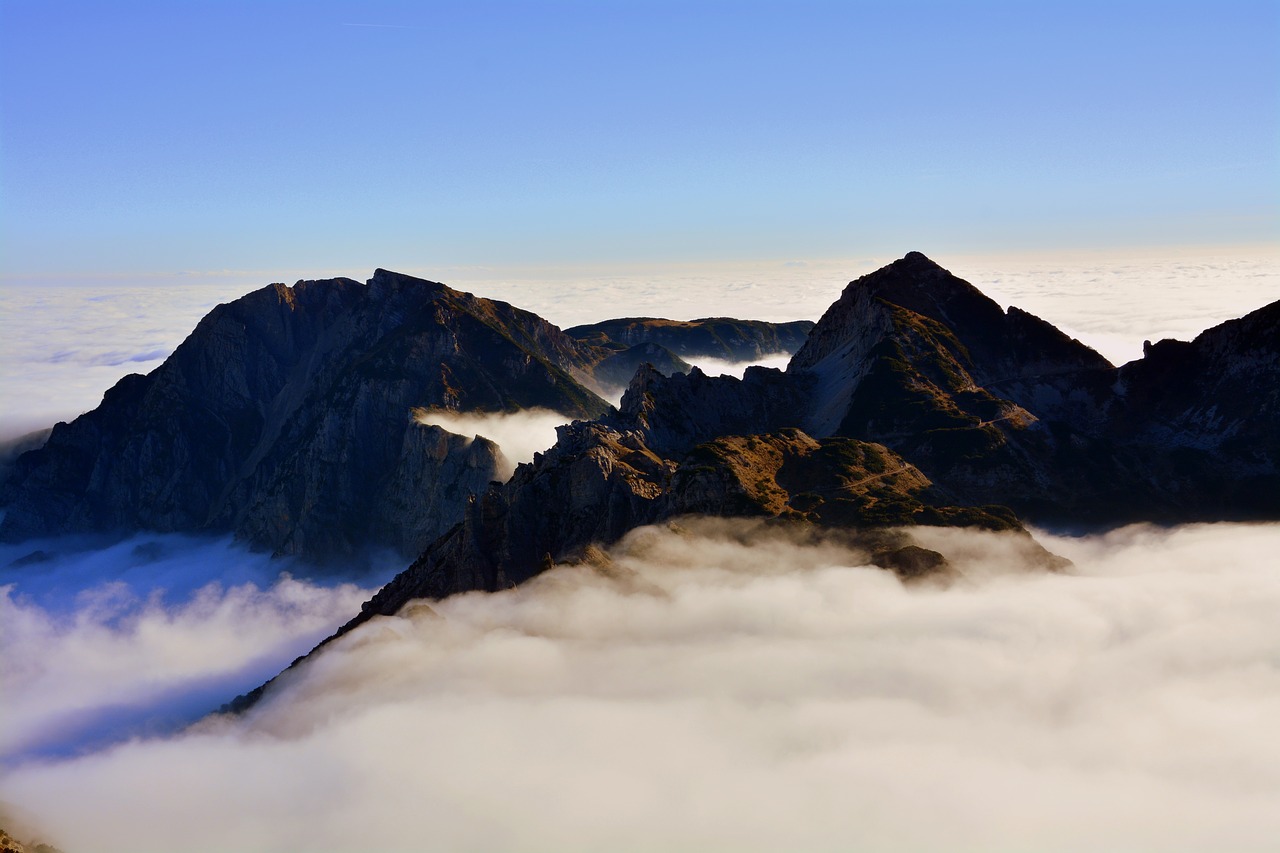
[(285, 417), (711, 337)]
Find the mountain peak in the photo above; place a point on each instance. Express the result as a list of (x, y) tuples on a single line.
[(917, 258), (385, 280)]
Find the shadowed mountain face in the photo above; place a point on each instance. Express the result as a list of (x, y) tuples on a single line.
[(286, 418), (1002, 407), (914, 400), (711, 337), (973, 410), (616, 369)]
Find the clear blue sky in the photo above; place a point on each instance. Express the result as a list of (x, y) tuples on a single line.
[(186, 135)]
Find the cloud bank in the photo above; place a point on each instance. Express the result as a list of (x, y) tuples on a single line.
[(719, 688), (146, 635)]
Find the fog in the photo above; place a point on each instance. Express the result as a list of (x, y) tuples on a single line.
[(519, 434), (149, 634), (719, 687), (62, 346)]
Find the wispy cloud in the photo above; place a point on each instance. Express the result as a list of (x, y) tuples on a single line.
[(519, 434)]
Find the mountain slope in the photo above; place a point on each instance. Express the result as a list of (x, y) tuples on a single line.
[(710, 337), (1000, 406), (285, 417)]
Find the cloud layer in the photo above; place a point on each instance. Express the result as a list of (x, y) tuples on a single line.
[(720, 688), (63, 345), (147, 635)]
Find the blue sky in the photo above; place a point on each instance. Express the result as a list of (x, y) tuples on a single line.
[(140, 137)]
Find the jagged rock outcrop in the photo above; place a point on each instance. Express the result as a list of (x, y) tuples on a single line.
[(1204, 417), (677, 412), (711, 337), (616, 370), (286, 418)]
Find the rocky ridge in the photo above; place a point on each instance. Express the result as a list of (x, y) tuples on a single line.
[(287, 418), (710, 337), (915, 400), (9, 844)]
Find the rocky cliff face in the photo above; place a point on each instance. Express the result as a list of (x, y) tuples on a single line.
[(677, 412), (286, 418), (944, 339), (999, 406), (1204, 416), (615, 370)]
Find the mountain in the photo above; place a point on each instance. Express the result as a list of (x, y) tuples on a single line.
[(616, 369), (915, 400), (1000, 406), (711, 337), (602, 480), (285, 418)]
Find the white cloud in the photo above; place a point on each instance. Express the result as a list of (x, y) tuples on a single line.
[(62, 346), (520, 434), (721, 367), (733, 690), (734, 693), (147, 635)]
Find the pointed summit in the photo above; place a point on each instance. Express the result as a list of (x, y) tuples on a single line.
[(918, 284)]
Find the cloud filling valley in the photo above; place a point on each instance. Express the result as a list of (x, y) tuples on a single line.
[(723, 687)]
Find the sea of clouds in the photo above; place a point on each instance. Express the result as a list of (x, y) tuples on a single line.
[(721, 688), (101, 643), (724, 687)]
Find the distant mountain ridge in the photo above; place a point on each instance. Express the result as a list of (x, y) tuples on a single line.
[(710, 337)]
